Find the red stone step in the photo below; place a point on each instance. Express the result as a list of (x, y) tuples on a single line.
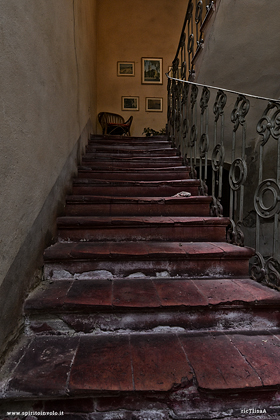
[(77, 205), (139, 304), (145, 163), (135, 145), (185, 259), (142, 228), (136, 174), (152, 153), (128, 139), (134, 188), (69, 367)]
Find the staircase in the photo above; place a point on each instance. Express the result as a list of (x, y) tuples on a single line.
[(146, 312)]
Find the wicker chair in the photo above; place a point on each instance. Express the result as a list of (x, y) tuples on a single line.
[(114, 124)]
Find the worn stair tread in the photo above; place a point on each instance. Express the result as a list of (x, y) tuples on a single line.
[(135, 173), (130, 150), (134, 250), (149, 293), (128, 139), (141, 170), (99, 221), (168, 190), (115, 164), (72, 366), (137, 145), (120, 183), (137, 154), (142, 228), (88, 205), (144, 200)]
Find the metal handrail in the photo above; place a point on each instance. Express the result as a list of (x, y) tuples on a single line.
[(263, 98)]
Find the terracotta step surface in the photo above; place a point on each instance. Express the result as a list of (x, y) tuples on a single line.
[(137, 304), (154, 362), (142, 228), (87, 205), (131, 149), (136, 189), (133, 163), (125, 258), (129, 153), (179, 183), (137, 174), (127, 139)]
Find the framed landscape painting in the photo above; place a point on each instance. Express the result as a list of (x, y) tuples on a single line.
[(152, 71), (130, 103), (126, 68), (154, 104)]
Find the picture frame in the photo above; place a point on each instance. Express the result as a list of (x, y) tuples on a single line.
[(154, 104), (126, 68), (151, 71), (130, 103)]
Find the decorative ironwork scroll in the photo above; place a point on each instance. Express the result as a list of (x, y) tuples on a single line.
[(214, 144)]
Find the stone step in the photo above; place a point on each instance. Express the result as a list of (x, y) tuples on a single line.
[(144, 163), (177, 366), (141, 304), (196, 229), (132, 145), (128, 139), (136, 174), (184, 259), (152, 153), (87, 205), (136, 189)]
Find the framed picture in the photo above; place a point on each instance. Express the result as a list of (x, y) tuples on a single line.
[(154, 104), (126, 68), (130, 103), (152, 71)]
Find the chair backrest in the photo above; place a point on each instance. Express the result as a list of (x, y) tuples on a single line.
[(109, 117), (114, 123)]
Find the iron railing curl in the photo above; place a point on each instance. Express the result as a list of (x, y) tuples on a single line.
[(202, 136)]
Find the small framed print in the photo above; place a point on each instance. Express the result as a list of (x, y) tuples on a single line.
[(154, 104), (152, 71), (126, 68), (130, 103)]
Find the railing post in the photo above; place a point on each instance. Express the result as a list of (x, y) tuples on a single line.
[(218, 155), (204, 140)]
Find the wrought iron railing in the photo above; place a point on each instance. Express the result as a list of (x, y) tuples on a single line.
[(231, 142), (191, 40)]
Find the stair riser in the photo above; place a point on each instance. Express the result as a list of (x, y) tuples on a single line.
[(143, 163), (137, 209), (125, 266), (134, 191), (84, 320), (132, 154), (135, 176), (111, 146), (128, 140), (140, 233)]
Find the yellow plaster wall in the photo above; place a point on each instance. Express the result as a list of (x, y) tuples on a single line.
[(127, 31)]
